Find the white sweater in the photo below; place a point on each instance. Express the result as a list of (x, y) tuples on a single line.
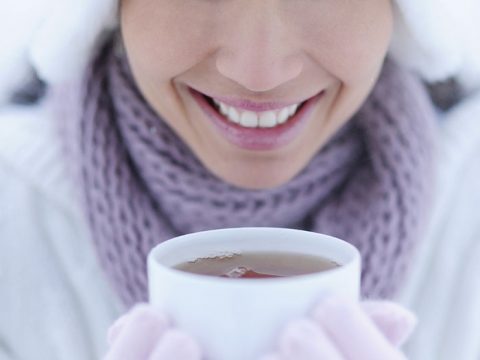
[(55, 301)]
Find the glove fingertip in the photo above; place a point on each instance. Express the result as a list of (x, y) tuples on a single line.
[(395, 321), (140, 310), (115, 329), (177, 345)]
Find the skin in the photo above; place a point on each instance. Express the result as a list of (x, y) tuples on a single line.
[(258, 50)]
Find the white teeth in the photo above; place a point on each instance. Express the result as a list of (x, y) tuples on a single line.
[(283, 116), (292, 109), (248, 119), (233, 115), (266, 119), (224, 109)]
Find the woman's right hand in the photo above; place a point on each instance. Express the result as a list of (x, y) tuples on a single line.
[(145, 333)]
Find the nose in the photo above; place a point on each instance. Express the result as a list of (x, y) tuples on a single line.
[(257, 51)]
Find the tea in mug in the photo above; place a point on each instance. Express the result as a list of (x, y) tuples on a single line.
[(258, 265)]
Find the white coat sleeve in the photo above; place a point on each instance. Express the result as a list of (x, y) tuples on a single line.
[(55, 302), (444, 287)]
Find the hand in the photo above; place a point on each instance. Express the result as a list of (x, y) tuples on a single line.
[(340, 329), (144, 333)]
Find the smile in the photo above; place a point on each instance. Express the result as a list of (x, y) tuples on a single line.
[(251, 130), (251, 119)]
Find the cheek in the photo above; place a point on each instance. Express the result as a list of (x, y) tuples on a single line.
[(160, 40), (350, 44)]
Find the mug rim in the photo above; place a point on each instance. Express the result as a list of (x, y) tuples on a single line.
[(154, 264)]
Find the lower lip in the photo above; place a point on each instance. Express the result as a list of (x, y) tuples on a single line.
[(259, 138)]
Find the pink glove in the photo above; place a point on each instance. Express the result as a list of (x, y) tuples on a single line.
[(340, 329), (144, 333)]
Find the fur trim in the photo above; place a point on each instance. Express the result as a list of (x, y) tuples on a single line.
[(56, 54), (438, 38), (19, 19)]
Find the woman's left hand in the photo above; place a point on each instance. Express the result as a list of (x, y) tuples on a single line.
[(341, 329)]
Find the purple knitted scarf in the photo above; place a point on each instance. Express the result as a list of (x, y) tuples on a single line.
[(142, 185)]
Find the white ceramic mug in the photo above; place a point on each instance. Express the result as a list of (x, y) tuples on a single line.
[(240, 319)]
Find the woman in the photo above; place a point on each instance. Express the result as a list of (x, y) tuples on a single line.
[(193, 115)]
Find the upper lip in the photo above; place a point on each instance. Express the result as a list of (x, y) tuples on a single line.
[(249, 105)]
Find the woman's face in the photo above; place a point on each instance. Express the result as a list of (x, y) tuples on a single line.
[(254, 53)]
